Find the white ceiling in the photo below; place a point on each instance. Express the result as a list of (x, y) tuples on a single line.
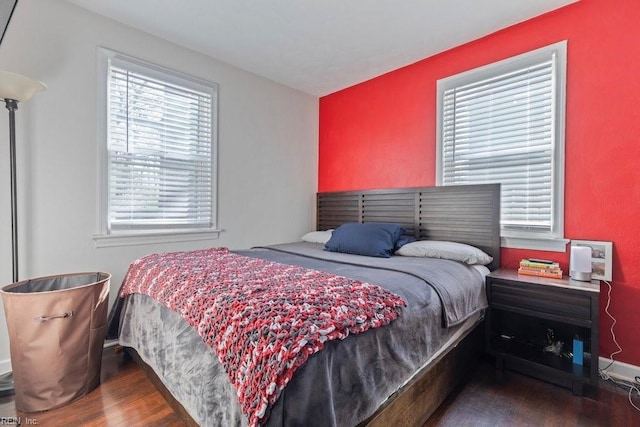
[(320, 46)]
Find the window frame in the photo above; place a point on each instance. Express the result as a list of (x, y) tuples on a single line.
[(107, 237), (553, 240)]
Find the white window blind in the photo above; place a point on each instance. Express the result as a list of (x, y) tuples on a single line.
[(160, 130), (501, 126)]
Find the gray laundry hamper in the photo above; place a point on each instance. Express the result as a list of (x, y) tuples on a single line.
[(57, 326)]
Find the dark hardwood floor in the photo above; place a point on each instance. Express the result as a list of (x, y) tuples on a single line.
[(524, 401), (127, 398)]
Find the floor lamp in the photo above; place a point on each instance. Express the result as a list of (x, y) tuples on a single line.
[(14, 88)]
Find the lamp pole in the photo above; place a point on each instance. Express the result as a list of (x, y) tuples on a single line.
[(14, 88), (12, 106)]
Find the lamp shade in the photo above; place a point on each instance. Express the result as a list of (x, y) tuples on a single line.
[(17, 87)]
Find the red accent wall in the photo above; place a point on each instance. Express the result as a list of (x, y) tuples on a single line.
[(381, 133)]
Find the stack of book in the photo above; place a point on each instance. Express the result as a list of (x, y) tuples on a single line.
[(540, 267)]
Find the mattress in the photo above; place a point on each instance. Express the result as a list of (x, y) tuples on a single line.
[(345, 382)]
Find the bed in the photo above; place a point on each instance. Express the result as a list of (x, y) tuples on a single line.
[(400, 372)]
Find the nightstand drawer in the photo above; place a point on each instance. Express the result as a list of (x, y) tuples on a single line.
[(542, 300)]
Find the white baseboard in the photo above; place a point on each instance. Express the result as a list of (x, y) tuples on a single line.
[(5, 366), (110, 343), (621, 370)]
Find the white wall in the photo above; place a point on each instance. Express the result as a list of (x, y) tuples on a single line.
[(268, 145)]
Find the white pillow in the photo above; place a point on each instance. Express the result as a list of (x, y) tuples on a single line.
[(317, 236), (445, 250)]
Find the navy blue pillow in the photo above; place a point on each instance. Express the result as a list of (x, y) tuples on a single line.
[(369, 239), (403, 240)]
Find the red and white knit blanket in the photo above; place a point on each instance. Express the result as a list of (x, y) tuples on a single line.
[(263, 319)]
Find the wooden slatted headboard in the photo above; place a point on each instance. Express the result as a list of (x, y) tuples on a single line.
[(459, 213)]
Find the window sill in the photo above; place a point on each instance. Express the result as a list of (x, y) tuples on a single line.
[(149, 238), (538, 244)]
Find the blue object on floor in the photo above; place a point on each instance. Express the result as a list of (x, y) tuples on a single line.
[(578, 351)]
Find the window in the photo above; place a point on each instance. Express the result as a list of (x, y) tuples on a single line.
[(505, 123), (160, 149)]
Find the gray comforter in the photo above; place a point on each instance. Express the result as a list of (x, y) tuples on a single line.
[(348, 380)]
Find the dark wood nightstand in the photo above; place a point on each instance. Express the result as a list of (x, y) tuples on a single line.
[(526, 313)]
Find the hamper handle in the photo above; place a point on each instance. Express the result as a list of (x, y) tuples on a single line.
[(59, 316)]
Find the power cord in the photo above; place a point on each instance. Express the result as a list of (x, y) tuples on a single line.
[(631, 386), (613, 323)]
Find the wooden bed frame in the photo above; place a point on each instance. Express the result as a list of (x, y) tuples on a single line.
[(464, 213)]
